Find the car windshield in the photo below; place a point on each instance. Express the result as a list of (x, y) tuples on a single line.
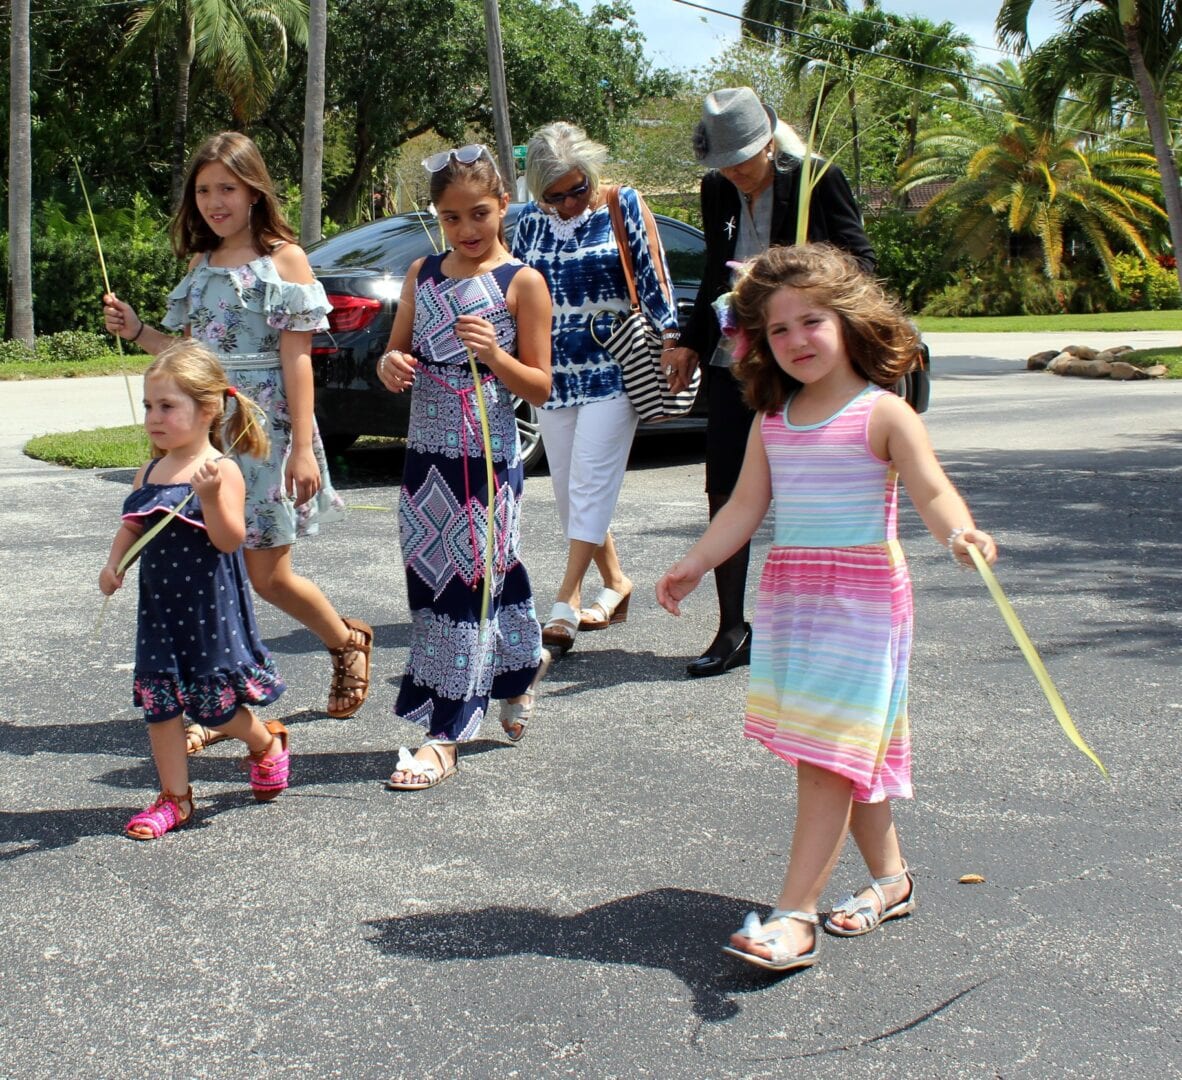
[(388, 245)]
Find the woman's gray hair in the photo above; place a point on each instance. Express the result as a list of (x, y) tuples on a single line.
[(557, 149), (787, 142)]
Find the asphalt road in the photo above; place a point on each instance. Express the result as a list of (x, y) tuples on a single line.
[(557, 908)]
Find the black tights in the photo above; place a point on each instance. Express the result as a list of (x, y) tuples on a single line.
[(730, 580)]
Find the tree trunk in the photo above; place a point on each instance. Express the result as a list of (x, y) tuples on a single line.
[(1153, 105), (343, 202), (20, 180), (185, 48), (852, 98), (313, 171)]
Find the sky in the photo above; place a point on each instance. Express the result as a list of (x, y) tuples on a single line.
[(680, 36)]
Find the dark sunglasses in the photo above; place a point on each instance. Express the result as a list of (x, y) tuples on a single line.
[(465, 155), (560, 197)]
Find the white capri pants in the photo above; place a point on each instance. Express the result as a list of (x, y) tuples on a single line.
[(587, 448)]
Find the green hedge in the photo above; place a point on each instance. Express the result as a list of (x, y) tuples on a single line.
[(67, 278)]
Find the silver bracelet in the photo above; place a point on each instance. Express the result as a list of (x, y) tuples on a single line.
[(952, 537)]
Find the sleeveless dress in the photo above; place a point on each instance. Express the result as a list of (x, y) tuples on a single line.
[(443, 511), (238, 312), (198, 651), (833, 616)]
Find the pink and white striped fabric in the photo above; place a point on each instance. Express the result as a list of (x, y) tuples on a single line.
[(833, 618)]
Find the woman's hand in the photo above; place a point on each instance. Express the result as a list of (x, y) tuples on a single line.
[(110, 580), (977, 538), (396, 371), (677, 583), (679, 365), (479, 335), (120, 318), (302, 475)]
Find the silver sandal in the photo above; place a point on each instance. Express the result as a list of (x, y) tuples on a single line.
[(862, 908), (774, 938), (516, 715)]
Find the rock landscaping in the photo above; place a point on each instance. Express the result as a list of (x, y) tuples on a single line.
[(1090, 363)]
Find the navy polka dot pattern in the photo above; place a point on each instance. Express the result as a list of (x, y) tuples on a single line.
[(198, 651)]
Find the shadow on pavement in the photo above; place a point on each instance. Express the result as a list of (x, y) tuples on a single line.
[(677, 930), (32, 831)]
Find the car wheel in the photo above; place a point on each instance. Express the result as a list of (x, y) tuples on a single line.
[(529, 434)]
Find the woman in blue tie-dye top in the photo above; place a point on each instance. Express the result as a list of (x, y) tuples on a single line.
[(588, 422)]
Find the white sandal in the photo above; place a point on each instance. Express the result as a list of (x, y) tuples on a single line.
[(516, 715), (773, 935), (425, 774), (610, 607), (560, 629), (862, 908)]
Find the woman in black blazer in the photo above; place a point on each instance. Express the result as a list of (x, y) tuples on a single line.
[(749, 203)]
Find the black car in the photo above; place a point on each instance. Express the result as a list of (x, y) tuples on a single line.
[(362, 270)]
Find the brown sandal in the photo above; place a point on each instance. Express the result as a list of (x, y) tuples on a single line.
[(345, 683), (198, 737)]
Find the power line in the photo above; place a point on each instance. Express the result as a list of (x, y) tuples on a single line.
[(885, 56), (805, 8)]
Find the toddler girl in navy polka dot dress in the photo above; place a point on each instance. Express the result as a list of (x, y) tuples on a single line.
[(198, 651)]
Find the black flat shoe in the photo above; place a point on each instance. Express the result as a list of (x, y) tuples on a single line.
[(712, 664)]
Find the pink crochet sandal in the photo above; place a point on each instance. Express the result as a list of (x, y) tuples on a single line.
[(270, 770), (162, 816)]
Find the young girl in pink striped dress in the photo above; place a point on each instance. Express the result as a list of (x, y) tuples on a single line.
[(816, 341)]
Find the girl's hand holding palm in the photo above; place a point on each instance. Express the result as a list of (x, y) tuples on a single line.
[(207, 480), (109, 580), (120, 318), (973, 538), (478, 335)]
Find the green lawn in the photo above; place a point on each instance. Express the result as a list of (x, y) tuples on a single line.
[(1003, 324), (103, 448), (111, 364)]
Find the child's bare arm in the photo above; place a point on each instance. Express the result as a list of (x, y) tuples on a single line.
[(528, 373), (731, 528), (898, 434), (396, 368), (222, 491), (110, 579)]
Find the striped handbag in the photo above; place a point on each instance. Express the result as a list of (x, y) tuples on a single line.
[(636, 344)]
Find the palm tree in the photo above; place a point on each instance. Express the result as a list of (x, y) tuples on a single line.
[(934, 58), (313, 170), (775, 20), (840, 44), (242, 43), (1104, 41), (20, 180), (1038, 180)]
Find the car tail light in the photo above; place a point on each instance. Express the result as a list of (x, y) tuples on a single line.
[(351, 312)]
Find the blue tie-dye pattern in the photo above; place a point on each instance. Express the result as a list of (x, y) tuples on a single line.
[(589, 292)]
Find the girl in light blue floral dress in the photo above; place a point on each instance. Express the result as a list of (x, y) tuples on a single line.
[(250, 296)]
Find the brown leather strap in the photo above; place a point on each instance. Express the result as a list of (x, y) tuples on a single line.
[(612, 191)]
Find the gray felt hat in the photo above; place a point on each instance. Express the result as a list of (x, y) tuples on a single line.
[(735, 126)]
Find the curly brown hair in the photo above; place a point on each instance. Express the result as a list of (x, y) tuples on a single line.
[(237, 152), (879, 339)]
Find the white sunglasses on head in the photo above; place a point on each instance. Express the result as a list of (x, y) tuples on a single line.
[(465, 155)]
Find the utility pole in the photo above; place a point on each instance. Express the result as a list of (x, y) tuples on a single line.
[(500, 96)]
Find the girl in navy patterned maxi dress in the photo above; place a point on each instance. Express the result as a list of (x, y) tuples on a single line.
[(472, 302)]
